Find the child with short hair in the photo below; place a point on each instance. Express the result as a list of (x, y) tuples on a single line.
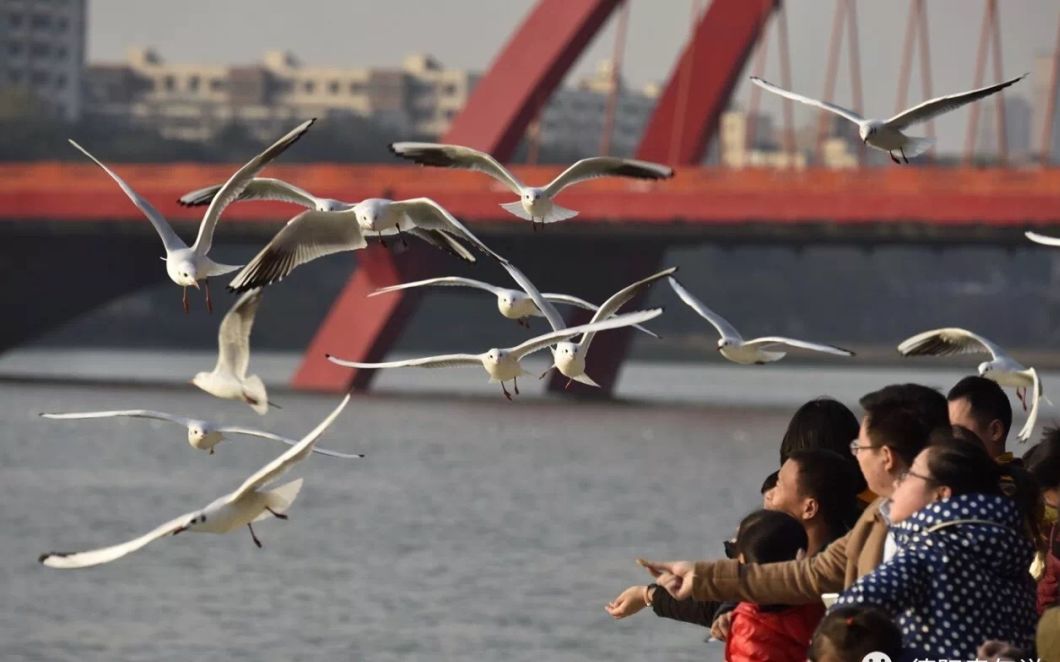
[(773, 633)]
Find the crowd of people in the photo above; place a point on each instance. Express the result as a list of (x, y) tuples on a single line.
[(914, 533)]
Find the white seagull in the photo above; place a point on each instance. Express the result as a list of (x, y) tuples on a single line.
[(502, 364), (535, 202), (315, 233), (229, 379), (187, 266), (886, 135), (569, 357), (307, 237), (252, 501), (202, 434), (756, 351), (1044, 240), (1001, 367), (512, 304)]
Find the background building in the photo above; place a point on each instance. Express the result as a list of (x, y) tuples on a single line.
[(42, 52)]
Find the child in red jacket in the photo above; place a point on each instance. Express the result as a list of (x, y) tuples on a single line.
[(770, 633)]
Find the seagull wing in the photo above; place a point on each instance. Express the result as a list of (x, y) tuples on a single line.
[(132, 413), (261, 434), (231, 189), (717, 321), (259, 188), (233, 338), (935, 107), (443, 241), (1042, 239), (429, 215), (945, 342), (289, 458), (542, 341), (823, 105), (169, 238), (1028, 428), (607, 166), (444, 281), (619, 299), (768, 341), (555, 320), (306, 237), (456, 156), (585, 305), (440, 361), (68, 560)]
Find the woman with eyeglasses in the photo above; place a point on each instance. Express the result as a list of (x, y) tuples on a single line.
[(959, 576)]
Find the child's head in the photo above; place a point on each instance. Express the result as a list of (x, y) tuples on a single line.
[(848, 634), (768, 536)]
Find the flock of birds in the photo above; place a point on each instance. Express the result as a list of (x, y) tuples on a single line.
[(330, 226)]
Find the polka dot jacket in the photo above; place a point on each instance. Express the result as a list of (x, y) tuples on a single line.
[(959, 578)]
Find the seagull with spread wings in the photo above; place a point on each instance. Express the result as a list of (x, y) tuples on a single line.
[(503, 364), (1001, 367), (886, 135), (185, 265), (536, 203), (202, 434), (229, 379), (512, 304), (569, 357), (312, 235), (252, 501), (756, 351)]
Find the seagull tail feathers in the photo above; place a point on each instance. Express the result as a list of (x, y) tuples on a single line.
[(281, 498), (917, 146), (558, 213)]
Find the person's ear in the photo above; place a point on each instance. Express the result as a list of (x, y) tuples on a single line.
[(889, 459), (810, 508), (944, 492), (996, 430)]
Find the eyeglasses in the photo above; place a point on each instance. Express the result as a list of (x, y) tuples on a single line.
[(854, 448), (908, 473)]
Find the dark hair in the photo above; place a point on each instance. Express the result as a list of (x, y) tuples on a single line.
[(1043, 461), (968, 469), (820, 423), (769, 536), (987, 400), (903, 416), (958, 432), (848, 634), (769, 483), (828, 477)]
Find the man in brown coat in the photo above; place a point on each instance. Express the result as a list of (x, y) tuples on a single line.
[(898, 421)]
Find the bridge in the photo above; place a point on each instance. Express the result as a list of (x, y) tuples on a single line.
[(635, 221)]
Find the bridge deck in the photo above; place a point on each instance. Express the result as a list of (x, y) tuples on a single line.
[(1001, 198)]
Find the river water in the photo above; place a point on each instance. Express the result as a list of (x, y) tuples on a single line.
[(475, 529)]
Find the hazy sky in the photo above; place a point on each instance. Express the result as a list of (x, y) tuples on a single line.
[(468, 33)]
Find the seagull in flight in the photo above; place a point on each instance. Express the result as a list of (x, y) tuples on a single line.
[(309, 236), (185, 265), (535, 202), (512, 304), (313, 234), (1001, 367), (569, 357), (202, 434), (502, 364), (756, 351), (886, 135), (252, 501), (229, 379)]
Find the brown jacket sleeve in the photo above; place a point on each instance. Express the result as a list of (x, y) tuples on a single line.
[(789, 582)]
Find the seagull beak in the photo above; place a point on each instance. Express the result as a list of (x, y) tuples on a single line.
[(195, 284)]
